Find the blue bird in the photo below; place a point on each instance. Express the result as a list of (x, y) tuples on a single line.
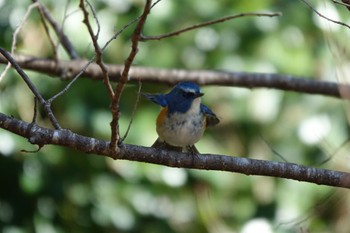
[(183, 118)]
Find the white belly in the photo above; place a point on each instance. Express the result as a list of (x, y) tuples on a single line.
[(182, 129)]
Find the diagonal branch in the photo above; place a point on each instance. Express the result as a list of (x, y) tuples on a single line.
[(345, 3), (124, 27), (125, 74), (67, 45), (323, 16), (98, 50), (211, 22), (43, 136), (14, 36), (26, 79), (46, 28)]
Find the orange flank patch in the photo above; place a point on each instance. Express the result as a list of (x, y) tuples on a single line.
[(162, 115)]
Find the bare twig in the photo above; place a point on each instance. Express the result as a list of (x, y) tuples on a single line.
[(77, 75), (119, 32), (43, 136), (45, 104), (14, 37), (332, 155), (325, 17), (98, 50), (343, 3), (211, 22), (96, 20), (35, 114), (274, 151), (125, 74), (74, 72), (321, 206), (46, 28), (67, 45), (133, 111), (124, 27)]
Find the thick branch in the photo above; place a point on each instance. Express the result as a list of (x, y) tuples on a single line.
[(43, 136), (68, 69)]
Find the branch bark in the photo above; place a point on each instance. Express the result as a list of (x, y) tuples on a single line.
[(43, 136), (69, 69)]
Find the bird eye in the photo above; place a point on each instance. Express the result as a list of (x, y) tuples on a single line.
[(188, 94)]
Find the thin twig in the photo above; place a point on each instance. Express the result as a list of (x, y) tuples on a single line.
[(272, 149), (312, 211), (31, 151), (45, 104), (14, 37), (65, 89), (46, 28), (211, 22), (331, 155), (77, 71), (20, 26), (119, 32), (341, 3), (125, 27), (125, 74), (325, 17), (96, 20), (67, 45), (133, 111), (35, 114), (98, 50)]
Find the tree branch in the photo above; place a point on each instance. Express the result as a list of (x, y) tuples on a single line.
[(211, 22), (98, 50), (15, 34), (69, 69), (345, 3), (323, 16), (67, 45), (43, 136), (115, 137), (46, 104)]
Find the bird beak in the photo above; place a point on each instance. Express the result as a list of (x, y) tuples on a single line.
[(200, 94)]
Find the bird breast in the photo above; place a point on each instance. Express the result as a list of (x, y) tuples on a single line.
[(182, 129)]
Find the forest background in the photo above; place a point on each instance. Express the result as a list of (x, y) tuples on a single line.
[(58, 189)]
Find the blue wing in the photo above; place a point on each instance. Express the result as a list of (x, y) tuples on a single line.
[(211, 118), (157, 99)]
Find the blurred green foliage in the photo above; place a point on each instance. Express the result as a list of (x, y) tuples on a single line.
[(60, 190)]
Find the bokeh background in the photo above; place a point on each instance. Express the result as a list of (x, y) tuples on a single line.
[(58, 190)]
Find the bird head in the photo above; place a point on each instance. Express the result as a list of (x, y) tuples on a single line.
[(182, 96)]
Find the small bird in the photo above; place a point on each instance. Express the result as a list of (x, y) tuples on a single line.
[(183, 118)]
